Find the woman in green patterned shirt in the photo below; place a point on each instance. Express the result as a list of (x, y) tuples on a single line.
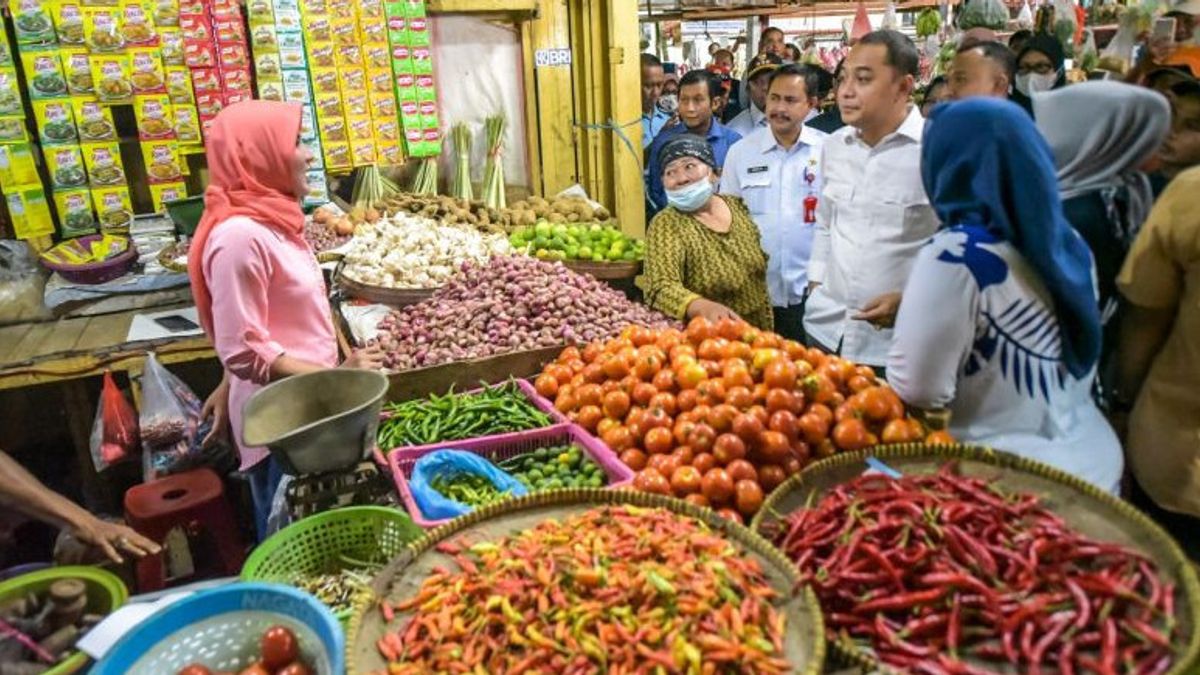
[(703, 253)]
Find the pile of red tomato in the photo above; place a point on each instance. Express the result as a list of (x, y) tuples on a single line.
[(721, 413)]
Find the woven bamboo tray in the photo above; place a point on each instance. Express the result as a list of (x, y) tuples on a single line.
[(805, 646), (166, 258), (605, 271), (1085, 507), (393, 297)]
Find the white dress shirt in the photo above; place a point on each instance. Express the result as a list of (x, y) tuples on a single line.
[(977, 334), (772, 182), (874, 218), (748, 121)]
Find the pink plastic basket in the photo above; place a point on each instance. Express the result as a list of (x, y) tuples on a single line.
[(526, 388), (498, 448)]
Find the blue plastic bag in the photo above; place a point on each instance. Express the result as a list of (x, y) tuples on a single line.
[(436, 506)]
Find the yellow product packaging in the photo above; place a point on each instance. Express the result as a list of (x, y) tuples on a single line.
[(260, 13), (12, 130), (179, 86), (348, 56), (44, 74), (64, 163), (357, 103), (162, 162), (103, 162), (32, 22), (171, 46), (146, 72), (55, 121), (166, 14), (345, 31), (187, 124), (353, 80), (68, 22), (308, 124), (296, 87), (333, 130), (137, 25), (370, 10), (373, 32), (328, 105), (377, 56), (75, 213), (102, 29), (318, 188), (387, 130), (264, 39), (321, 55), (268, 66), (383, 105), (341, 10), (390, 154), (29, 212), (362, 153), (111, 74), (325, 81), (78, 69), (381, 81), (318, 29), (337, 155), (114, 207), (270, 89), (10, 93), (6, 52), (94, 121), (154, 119), (17, 166), (360, 128), (166, 192)]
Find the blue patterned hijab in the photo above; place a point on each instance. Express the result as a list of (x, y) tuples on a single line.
[(984, 164)]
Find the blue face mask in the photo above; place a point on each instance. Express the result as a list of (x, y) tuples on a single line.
[(691, 198)]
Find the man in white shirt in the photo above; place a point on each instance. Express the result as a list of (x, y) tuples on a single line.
[(874, 215), (754, 117), (774, 170)]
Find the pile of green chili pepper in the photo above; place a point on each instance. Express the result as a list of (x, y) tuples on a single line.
[(564, 466), (342, 588), (468, 488), (494, 410), (940, 573), (616, 589)]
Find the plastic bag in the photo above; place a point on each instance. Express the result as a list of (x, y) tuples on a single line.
[(433, 504), (983, 14), (890, 22), (1025, 17), (169, 421), (1118, 55), (1066, 26), (22, 284), (115, 430)]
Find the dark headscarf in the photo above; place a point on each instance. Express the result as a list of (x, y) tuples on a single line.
[(985, 165), (686, 145), (1051, 47)]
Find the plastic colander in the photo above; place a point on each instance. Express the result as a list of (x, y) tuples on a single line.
[(220, 628)]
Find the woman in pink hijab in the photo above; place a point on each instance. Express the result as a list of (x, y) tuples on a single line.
[(260, 294)]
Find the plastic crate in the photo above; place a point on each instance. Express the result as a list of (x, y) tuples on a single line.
[(499, 448), (526, 388)]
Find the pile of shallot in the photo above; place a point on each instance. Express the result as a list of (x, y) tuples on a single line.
[(508, 304)]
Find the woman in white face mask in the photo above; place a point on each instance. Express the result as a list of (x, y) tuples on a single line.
[(703, 252), (1039, 69)]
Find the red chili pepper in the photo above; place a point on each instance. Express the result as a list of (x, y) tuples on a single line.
[(901, 601), (1108, 647)]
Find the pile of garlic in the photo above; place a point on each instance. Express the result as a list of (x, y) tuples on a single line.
[(409, 251)]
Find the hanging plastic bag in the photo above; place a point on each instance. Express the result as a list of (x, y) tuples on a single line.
[(169, 421), (1025, 17), (1118, 55), (1088, 55), (115, 430), (890, 21), (1065, 26), (983, 14), (436, 506)]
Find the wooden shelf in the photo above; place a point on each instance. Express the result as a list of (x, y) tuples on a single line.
[(482, 6)]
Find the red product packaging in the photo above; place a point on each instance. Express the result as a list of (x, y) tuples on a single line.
[(191, 8), (209, 104), (206, 80), (229, 32), (199, 54), (233, 57), (225, 10), (232, 97), (237, 80), (195, 28)]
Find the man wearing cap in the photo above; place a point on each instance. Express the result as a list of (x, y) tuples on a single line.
[(754, 117), (1180, 49), (775, 170)]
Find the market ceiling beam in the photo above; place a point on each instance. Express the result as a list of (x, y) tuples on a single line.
[(482, 6)]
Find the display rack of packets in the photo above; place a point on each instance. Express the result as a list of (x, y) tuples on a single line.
[(281, 66), (412, 69)]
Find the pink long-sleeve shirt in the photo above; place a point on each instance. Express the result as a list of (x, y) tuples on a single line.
[(268, 299)]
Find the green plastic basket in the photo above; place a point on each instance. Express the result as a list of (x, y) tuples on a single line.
[(105, 593), (316, 545), (185, 213)]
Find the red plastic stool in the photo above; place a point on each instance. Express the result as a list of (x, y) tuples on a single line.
[(195, 502)]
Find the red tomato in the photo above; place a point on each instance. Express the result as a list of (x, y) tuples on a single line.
[(780, 399), (702, 438), (717, 486), (730, 514), (876, 403), (738, 376), (663, 401), (616, 404), (813, 429), (256, 668), (589, 417), (721, 418), (793, 466), (656, 418), (851, 434), (727, 448), (605, 424), (773, 447), (634, 459), (279, 647), (296, 668), (747, 427), (564, 402), (898, 431), (740, 469), (663, 464), (690, 375), (643, 392), (784, 422), (822, 411), (618, 439), (704, 461), (770, 476), (819, 388), (748, 496), (739, 397), (684, 454), (858, 383), (682, 430), (198, 669), (780, 374), (712, 392), (697, 499), (685, 481), (759, 412), (942, 437), (650, 480), (664, 380), (546, 385), (658, 441), (687, 400), (593, 374)]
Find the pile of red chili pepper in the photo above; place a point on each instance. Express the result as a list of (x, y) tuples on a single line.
[(940, 573), (616, 589)]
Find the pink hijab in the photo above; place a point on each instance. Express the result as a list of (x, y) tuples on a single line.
[(249, 148)]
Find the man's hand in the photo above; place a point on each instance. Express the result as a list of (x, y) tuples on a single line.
[(713, 311), (880, 311), (216, 407), (112, 539), (1160, 48), (367, 358)]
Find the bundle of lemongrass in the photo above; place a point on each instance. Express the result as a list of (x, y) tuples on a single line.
[(371, 187), (461, 188), (493, 175), (427, 177)]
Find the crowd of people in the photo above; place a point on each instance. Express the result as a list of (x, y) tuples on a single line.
[(1004, 247)]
